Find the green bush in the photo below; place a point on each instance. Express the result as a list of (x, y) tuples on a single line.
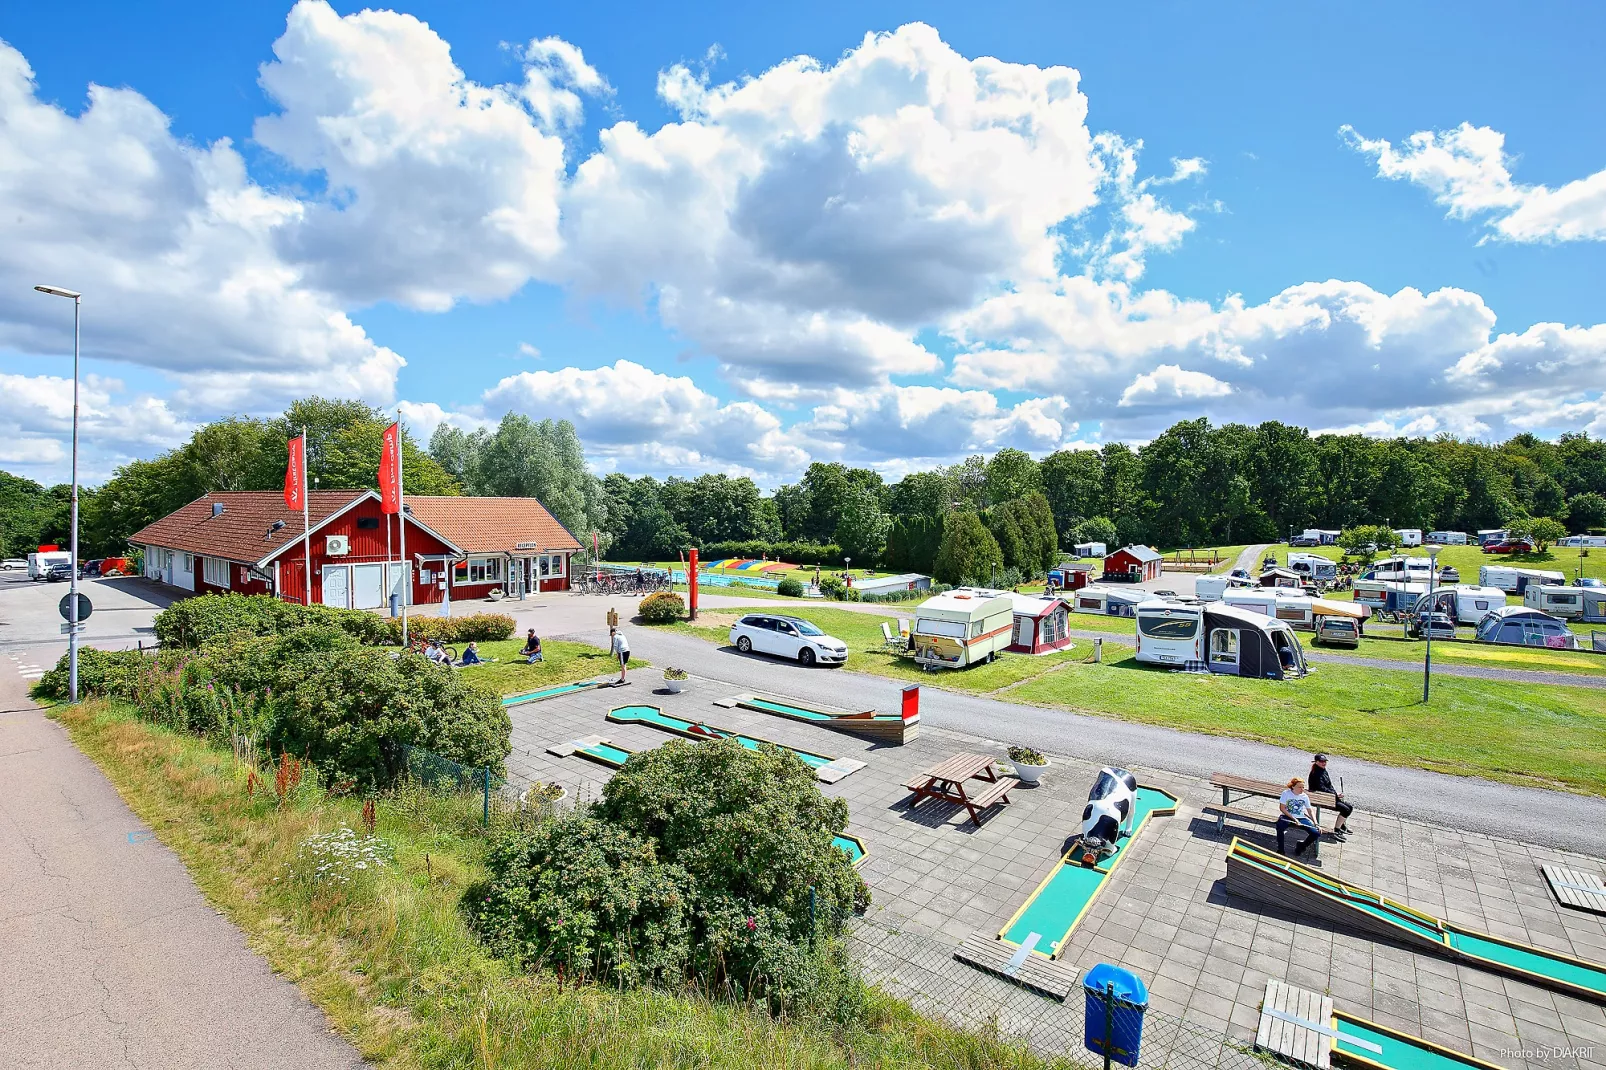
[(473, 628), (791, 587), (100, 672), (664, 607), (192, 622), (833, 587)]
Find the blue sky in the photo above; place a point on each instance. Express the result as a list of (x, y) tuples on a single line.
[(847, 284)]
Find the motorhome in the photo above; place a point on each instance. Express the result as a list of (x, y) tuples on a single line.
[(1559, 600), (1090, 549), (1313, 567), (1388, 596), (962, 627), (1576, 541), (1463, 603), (39, 563), (1409, 569), (1241, 642), (1291, 607), (1409, 536), (1316, 537), (1110, 601), (1211, 588), (1171, 634), (1516, 580), (1447, 538)]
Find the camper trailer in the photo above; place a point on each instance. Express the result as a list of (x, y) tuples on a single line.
[(1462, 603), (1576, 541), (1409, 536), (1388, 596), (1090, 549), (1515, 580), (39, 563), (962, 627), (1313, 567), (1171, 634), (1559, 600), (1447, 538), (1110, 601), (1409, 569), (1240, 642), (1211, 588), (1489, 536), (1291, 607), (1281, 577)]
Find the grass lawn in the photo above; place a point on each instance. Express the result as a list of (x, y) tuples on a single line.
[(1542, 735), (1467, 652), (397, 971), (565, 662)]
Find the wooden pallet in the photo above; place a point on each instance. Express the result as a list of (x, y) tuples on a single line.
[(1296, 1025), (1576, 888), (1018, 966)]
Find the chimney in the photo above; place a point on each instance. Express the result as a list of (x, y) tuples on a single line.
[(217, 509)]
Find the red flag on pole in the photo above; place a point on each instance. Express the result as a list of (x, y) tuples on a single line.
[(295, 474), (390, 470)]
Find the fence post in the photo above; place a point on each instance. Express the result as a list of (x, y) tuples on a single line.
[(487, 771), (1109, 1022)]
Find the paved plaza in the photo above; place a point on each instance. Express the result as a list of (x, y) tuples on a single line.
[(1164, 913)]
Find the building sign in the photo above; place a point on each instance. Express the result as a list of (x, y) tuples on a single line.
[(526, 546)]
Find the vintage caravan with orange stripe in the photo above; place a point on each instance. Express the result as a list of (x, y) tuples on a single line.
[(962, 627)]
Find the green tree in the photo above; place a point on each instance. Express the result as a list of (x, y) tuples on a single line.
[(1541, 531), (1095, 529), (1586, 510), (1011, 474), (912, 543), (861, 527), (967, 552), (718, 508), (526, 459), (1367, 540), (1073, 482), (929, 494)]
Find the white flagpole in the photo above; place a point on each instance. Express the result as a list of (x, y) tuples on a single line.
[(401, 515), (306, 524)]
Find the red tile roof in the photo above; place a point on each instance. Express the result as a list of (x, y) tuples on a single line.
[(494, 525), (242, 531)]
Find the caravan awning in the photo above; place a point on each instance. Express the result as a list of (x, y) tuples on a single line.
[(1333, 608)]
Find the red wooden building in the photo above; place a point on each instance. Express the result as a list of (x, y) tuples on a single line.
[(510, 543), (1133, 564)]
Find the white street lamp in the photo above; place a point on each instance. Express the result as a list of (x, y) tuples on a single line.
[(72, 591), (1427, 662)]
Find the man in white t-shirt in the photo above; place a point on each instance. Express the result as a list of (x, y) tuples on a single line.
[(1294, 810), (621, 650)]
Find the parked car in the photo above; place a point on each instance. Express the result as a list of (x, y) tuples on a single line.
[(1304, 540), (1443, 627), (91, 568), (1240, 574), (1512, 546), (1521, 626), (1589, 581), (787, 637), (12, 563), (1337, 631), (1449, 574), (60, 572)]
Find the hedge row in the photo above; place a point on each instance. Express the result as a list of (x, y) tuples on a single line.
[(194, 622)]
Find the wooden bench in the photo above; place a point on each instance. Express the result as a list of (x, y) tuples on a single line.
[(1244, 788)]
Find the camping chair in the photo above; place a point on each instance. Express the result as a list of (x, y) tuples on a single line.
[(888, 640)]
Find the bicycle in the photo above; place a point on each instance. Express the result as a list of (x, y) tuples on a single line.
[(421, 646)]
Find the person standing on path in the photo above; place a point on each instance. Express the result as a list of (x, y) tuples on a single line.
[(1321, 780), (621, 650)]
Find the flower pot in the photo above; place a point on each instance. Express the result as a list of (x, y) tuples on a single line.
[(559, 804), (1029, 774), (674, 686)]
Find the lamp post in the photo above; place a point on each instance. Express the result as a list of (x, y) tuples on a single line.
[(1427, 662), (72, 590)]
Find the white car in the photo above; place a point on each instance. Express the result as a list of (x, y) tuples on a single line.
[(787, 637), (12, 563)]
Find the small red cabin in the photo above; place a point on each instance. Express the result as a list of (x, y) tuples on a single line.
[(1133, 564)]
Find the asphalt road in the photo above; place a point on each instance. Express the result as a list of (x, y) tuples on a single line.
[(1554, 818)]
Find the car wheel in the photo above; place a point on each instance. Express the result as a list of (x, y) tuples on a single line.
[(806, 656), (744, 644)]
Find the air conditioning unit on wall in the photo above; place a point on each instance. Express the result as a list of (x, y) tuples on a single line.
[(338, 545)]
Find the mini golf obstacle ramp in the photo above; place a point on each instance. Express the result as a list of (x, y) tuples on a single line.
[(1576, 888), (1040, 928), (883, 727), (603, 752), (1268, 878), (554, 692), (1303, 1028), (828, 769)]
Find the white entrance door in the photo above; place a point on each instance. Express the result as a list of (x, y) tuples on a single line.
[(337, 586), (400, 583), (367, 586)]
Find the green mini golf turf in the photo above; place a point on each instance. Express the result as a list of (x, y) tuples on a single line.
[(1056, 906), (790, 711), (1532, 960), (850, 846), (606, 753), (654, 716), (1398, 1053), (548, 692)]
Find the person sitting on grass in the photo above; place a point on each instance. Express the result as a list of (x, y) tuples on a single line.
[(1294, 811), (532, 648), (437, 653), (471, 655)]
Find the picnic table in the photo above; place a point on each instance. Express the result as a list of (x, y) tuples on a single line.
[(1235, 789), (946, 780)]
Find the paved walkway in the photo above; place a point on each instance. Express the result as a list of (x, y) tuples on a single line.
[(109, 955)]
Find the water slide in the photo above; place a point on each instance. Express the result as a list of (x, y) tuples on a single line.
[(1269, 878), (1044, 922)]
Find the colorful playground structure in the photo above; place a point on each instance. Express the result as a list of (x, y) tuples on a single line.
[(896, 728), (553, 692), (828, 769), (1268, 878)]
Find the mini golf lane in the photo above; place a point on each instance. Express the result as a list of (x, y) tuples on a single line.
[(551, 692), (889, 727), (1268, 878), (1358, 1042), (825, 767), (1044, 922)]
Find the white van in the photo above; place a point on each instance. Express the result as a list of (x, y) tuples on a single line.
[(1463, 603), (1515, 580), (1556, 599), (1448, 538), (1280, 603), (39, 563), (1409, 536), (1313, 566)]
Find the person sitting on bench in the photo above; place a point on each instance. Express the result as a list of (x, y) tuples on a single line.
[(1321, 780), (1294, 810), (532, 649)]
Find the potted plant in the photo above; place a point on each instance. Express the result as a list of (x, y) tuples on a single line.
[(674, 679), (1029, 764), (544, 793)]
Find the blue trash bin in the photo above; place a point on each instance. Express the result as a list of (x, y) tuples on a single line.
[(1116, 1000)]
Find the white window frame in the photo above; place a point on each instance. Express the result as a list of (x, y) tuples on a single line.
[(557, 565), (215, 570), (483, 570), (1228, 653)]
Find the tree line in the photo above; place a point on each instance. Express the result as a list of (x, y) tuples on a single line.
[(1196, 484)]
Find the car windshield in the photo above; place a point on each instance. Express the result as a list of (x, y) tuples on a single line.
[(1339, 625), (806, 628)]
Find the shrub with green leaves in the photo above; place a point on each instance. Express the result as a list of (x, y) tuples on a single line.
[(833, 587), (472, 628), (192, 622), (664, 607), (791, 587), (100, 672)]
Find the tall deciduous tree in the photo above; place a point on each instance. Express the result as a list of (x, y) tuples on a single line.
[(967, 553)]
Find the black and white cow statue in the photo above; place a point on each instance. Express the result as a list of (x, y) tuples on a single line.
[(1110, 811)]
